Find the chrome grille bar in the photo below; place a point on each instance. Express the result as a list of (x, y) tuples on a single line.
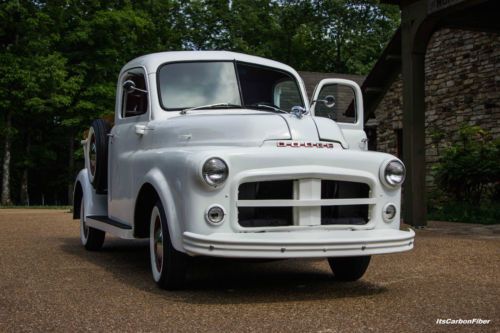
[(305, 202)]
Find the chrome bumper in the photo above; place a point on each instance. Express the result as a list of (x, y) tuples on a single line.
[(299, 244)]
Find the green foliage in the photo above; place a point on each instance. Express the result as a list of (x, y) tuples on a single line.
[(344, 36), (353, 33), (469, 170), (453, 211)]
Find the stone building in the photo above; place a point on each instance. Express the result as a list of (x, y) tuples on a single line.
[(462, 86), (462, 75)]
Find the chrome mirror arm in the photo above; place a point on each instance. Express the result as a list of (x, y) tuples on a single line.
[(298, 111)]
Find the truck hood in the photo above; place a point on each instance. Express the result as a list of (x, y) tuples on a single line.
[(240, 128)]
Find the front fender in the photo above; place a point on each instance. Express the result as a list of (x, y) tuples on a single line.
[(157, 179)]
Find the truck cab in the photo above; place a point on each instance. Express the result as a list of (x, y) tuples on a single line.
[(221, 154)]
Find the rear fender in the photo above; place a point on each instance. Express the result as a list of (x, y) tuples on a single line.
[(95, 204)]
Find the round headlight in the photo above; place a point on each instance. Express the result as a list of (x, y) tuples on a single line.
[(215, 171), (394, 173)]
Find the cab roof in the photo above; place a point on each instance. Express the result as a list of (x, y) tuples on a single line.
[(152, 61)]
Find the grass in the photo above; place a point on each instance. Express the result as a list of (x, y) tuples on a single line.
[(484, 213)]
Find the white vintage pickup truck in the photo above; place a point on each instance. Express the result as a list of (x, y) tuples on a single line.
[(221, 154)]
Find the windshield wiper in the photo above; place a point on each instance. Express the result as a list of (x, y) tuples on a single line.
[(265, 106), (212, 106)]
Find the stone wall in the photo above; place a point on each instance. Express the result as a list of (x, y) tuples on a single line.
[(462, 87), (389, 116)]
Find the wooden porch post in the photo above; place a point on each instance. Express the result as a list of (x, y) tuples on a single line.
[(413, 71)]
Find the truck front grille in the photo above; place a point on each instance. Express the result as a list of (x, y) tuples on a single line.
[(303, 202), (266, 216), (349, 214)]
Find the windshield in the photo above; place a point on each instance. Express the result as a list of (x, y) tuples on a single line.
[(191, 85)]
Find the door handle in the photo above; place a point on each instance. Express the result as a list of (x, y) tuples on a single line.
[(141, 129), (363, 143)]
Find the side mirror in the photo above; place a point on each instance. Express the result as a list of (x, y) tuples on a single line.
[(329, 101), (129, 86)]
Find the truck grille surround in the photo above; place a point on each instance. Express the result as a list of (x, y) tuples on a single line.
[(303, 202)]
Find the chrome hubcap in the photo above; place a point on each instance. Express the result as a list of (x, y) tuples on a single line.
[(158, 244)]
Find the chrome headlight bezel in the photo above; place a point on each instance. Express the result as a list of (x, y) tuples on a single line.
[(207, 172), (386, 173), (221, 211), (389, 217)]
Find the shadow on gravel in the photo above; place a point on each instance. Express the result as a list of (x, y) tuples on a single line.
[(224, 281)]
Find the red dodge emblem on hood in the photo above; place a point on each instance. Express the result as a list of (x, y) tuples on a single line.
[(295, 144)]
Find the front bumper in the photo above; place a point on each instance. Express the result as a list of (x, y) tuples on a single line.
[(299, 244)]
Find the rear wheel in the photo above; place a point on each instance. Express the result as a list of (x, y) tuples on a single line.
[(92, 239), (168, 265), (349, 268)]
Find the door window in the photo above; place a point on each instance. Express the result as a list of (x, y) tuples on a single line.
[(344, 109), (135, 102)]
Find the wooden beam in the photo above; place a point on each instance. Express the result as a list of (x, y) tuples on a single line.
[(413, 72)]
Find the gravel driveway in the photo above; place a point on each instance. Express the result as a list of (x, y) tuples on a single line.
[(48, 282)]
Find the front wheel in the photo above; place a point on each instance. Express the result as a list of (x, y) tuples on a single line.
[(167, 264), (349, 268), (92, 239)]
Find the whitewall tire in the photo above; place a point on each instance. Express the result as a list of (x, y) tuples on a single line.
[(91, 238), (168, 266)]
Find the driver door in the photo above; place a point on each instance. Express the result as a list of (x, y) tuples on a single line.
[(126, 139)]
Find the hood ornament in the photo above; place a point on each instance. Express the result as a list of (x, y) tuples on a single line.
[(298, 111)]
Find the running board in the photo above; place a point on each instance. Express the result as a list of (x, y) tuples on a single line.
[(107, 220)]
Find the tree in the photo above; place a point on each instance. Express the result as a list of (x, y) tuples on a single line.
[(252, 27), (355, 33), (94, 59), (33, 84)]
